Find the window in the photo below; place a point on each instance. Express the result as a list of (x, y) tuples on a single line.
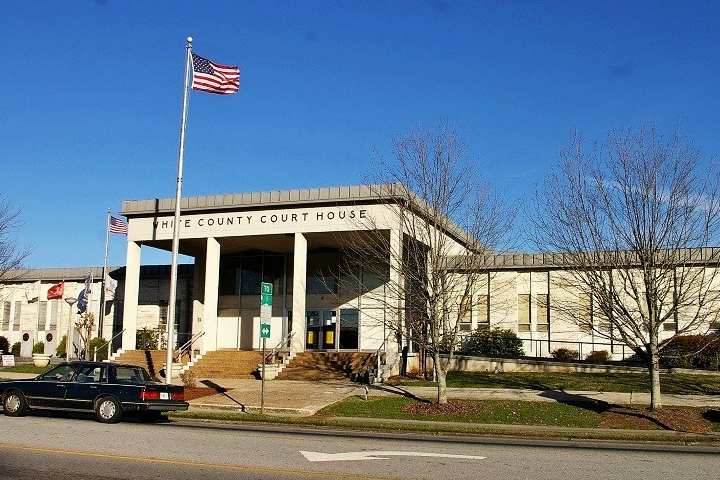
[(482, 312), (543, 312), (523, 313), (54, 311), (465, 314), (5, 317), (42, 315), (322, 270), (16, 319)]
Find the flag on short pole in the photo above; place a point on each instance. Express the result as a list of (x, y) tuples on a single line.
[(118, 226), (212, 77)]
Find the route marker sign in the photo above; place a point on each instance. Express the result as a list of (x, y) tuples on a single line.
[(264, 330)]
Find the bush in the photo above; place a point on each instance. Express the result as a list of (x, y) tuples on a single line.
[(494, 342), (95, 344), (691, 351), (147, 338), (188, 379), (15, 350), (60, 349), (4, 345), (598, 356), (565, 354), (39, 347)]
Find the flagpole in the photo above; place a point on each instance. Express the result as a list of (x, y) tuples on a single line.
[(176, 222), (101, 320)]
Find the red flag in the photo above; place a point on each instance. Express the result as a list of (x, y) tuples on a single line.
[(56, 291), (214, 78)]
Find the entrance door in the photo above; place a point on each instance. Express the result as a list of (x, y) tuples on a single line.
[(321, 329)]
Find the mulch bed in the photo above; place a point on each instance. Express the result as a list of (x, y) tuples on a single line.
[(668, 418), (193, 393)]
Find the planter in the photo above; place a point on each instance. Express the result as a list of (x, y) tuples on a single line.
[(41, 359), (271, 370), (176, 369)]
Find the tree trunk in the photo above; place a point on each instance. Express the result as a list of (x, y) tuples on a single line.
[(441, 379), (654, 367)]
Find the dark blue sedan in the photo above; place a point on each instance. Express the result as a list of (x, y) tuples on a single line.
[(108, 389)]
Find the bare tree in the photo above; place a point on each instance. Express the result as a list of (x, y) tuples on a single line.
[(448, 219), (11, 257), (631, 222)]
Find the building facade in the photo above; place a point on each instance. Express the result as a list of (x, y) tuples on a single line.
[(299, 241)]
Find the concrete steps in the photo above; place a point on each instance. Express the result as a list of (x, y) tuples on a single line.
[(328, 366)]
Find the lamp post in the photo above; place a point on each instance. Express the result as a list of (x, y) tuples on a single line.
[(70, 301)]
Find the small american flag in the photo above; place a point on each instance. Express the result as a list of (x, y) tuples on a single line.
[(117, 226), (214, 78)]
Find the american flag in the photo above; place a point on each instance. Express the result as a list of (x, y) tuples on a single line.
[(117, 226), (214, 78)]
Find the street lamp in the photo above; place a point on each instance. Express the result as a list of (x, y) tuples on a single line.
[(70, 301)]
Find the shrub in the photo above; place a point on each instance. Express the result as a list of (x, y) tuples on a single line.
[(494, 342), (147, 338), (188, 379), (95, 344), (15, 350), (39, 347), (60, 349), (4, 345), (598, 356), (691, 351), (565, 354)]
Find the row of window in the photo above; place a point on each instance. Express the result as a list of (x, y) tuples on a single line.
[(10, 315)]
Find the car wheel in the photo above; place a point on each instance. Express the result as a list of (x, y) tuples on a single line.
[(108, 410), (14, 404)]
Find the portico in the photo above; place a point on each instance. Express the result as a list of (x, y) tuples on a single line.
[(293, 239)]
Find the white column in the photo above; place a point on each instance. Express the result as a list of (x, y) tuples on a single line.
[(132, 292), (299, 323), (392, 348), (212, 281), (197, 302)]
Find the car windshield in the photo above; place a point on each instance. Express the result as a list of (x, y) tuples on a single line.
[(62, 373), (133, 374)]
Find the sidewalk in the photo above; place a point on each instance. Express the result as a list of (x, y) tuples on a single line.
[(302, 398)]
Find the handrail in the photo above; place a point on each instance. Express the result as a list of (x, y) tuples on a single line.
[(282, 343), (187, 346), (108, 343)]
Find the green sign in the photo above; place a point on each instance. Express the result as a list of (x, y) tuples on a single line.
[(264, 330), (266, 290)]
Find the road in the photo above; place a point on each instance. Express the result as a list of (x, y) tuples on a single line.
[(42, 447)]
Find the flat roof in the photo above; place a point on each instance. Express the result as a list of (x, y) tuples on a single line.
[(274, 198)]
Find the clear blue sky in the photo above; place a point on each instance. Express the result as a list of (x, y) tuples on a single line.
[(91, 95)]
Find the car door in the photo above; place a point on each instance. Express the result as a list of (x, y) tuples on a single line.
[(85, 387), (48, 390)]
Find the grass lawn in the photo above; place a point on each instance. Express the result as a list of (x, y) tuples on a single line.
[(25, 368), (676, 383)]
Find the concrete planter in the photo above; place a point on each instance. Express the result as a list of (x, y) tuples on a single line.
[(271, 370), (41, 359)]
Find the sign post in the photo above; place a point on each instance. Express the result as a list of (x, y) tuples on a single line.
[(266, 290)]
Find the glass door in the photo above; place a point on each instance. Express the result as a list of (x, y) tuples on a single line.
[(321, 329)]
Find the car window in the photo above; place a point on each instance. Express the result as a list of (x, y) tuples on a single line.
[(133, 374), (62, 373), (91, 374)]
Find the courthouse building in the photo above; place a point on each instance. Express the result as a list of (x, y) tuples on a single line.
[(297, 241)]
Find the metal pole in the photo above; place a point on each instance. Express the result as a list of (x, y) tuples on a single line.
[(176, 223), (101, 317), (262, 379)]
